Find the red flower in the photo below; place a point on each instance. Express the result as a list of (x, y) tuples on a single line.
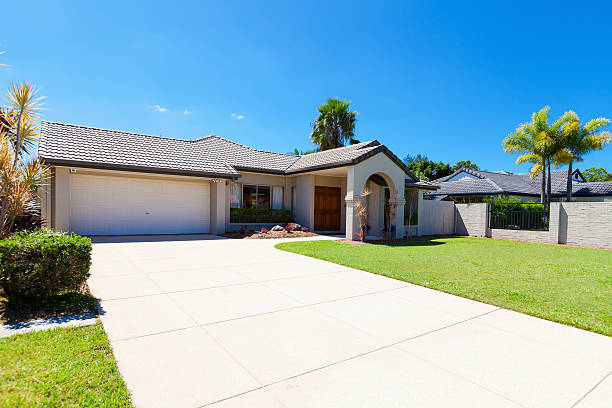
[(264, 230), (288, 228), (304, 229)]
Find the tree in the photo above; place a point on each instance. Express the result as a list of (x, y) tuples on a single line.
[(539, 144), (580, 140), (300, 152), (465, 163), (20, 174), (426, 169), (334, 126), (597, 174)]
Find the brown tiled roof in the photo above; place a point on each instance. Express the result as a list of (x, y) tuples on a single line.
[(72, 145)]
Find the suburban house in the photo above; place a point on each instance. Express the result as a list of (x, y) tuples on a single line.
[(108, 182), (472, 186)]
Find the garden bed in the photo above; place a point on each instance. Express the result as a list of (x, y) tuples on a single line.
[(270, 235)]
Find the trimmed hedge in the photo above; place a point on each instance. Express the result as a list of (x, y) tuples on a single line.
[(260, 215), (43, 262)]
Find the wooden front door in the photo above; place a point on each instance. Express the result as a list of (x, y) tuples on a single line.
[(327, 208)]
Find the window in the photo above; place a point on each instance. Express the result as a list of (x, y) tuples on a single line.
[(235, 195), (255, 196)]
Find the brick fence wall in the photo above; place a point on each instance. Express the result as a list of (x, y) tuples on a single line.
[(574, 223)]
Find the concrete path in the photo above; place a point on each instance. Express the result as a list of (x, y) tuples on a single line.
[(198, 322), (28, 326)]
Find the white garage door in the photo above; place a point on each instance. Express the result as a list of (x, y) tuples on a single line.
[(106, 205)]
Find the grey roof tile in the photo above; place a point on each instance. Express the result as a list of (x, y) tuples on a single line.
[(515, 183)]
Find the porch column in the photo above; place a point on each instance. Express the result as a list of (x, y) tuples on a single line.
[(419, 231), (61, 200), (398, 221), (218, 204), (353, 195)]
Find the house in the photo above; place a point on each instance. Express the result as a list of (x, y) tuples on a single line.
[(108, 182), (467, 185)]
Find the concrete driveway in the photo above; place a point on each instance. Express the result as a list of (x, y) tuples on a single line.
[(198, 321)]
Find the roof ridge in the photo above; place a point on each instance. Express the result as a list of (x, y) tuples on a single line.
[(123, 131), (245, 146), (362, 144)]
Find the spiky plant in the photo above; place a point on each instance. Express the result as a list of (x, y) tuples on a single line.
[(334, 126), (20, 174)]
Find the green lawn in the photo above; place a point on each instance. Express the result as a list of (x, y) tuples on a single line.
[(72, 367), (564, 284)]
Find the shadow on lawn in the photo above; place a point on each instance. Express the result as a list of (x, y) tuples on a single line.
[(54, 306), (417, 241)]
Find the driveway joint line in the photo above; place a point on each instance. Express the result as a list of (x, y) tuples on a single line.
[(255, 315), (218, 286), (365, 353), (591, 390)]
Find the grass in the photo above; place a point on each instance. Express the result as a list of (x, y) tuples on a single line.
[(564, 284), (71, 367)]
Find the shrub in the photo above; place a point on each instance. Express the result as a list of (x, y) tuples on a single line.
[(304, 229), (260, 215), (289, 228), (242, 231), (264, 230), (43, 262), (29, 220)]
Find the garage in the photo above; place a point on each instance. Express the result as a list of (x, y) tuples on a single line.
[(126, 205)]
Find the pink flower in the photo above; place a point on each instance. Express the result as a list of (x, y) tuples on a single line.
[(304, 229), (264, 230), (288, 228)]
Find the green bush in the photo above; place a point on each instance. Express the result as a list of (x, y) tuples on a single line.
[(43, 262), (260, 215), (503, 203)]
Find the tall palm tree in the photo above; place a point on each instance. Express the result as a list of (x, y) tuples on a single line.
[(533, 140), (335, 124), (580, 140)]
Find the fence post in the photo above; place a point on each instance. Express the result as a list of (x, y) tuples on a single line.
[(553, 223)]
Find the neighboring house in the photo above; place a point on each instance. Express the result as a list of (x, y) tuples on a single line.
[(467, 185), (107, 182)]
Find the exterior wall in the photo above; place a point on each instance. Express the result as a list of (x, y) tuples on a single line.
[(437, 218), (471, 219), (588, 224), (304, 205), (574, 223), (61, 199), (218, 205)]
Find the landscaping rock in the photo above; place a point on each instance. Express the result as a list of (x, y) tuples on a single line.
[(294, 226), (277, 228)]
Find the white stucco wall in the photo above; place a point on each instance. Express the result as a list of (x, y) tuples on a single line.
[(304, 206)]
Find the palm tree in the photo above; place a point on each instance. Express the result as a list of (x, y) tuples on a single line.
[(533, 140), (334, 126), (580, 140)]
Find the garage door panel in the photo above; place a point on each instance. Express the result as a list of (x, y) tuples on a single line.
[(103, 205)]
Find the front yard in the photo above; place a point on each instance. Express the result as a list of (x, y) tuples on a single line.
[(564, 284), (72, 367)]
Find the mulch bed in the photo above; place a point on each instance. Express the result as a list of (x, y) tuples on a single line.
[(269, 235), (64, 304)]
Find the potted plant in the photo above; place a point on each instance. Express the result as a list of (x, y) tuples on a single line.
[(361, 208)]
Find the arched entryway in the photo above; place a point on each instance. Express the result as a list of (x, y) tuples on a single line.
[(377, 191)]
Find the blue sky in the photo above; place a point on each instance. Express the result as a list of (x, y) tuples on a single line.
[(444, 79)]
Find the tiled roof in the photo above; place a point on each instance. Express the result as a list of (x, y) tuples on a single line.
[(207, 156), (73, 145), (514, 183)]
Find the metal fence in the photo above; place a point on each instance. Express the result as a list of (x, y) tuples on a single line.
[(519, 218)]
